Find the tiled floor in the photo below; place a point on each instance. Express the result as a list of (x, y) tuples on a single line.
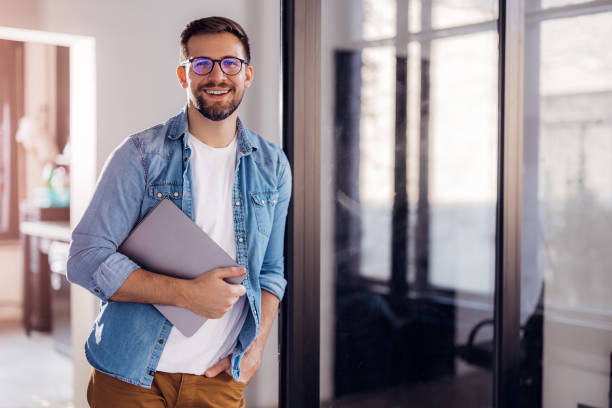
[(463, 391), (32, 373)]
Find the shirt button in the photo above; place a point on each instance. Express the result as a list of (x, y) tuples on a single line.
[(273, 202), (185, 159), (159, 195), (237, 203), (255, 312), (161, 341), (151, 372), (97, 290), (240, 239), (263, 202), (176, 194)]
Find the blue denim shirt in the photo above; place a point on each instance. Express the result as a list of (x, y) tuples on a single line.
[(127, 339)]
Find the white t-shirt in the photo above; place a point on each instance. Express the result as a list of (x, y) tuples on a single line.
[(212, 175)]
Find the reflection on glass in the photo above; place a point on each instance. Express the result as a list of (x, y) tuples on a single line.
[(379, 19), (567, 213), (376, 147), (414, 15), (560, 3), (450, 13), (463, 157), (409, 162), (435, 14)]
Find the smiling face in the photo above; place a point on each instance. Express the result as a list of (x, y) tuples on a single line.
[(215, 95)]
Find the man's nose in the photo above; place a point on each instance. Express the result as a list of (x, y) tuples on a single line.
[(216, 72)]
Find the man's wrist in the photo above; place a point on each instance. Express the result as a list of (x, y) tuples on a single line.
[(180, 289), (257, 345)]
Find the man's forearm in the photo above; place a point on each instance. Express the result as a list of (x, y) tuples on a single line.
[(142, 286), (269, 310), (208, 295)]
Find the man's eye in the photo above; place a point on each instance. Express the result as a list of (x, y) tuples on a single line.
[(202, 64), (230, 63)]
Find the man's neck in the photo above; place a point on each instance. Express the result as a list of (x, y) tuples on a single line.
[(213, 133)]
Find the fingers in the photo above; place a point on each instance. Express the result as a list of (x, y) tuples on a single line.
[(222, 365), (237, 290), (230, 272)]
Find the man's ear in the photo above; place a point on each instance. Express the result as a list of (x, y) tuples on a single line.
[(248, 77), (181, 73)]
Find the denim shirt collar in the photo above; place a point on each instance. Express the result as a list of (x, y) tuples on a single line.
[(179, 127)]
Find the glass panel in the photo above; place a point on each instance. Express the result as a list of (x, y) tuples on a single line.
[(379, 19), (376, 147), (560, 3), (409, 172), (414, 15), (463, 157), (360, 20), (436, 14), (567, 214)]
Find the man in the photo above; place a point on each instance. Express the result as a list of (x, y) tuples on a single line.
[(236, 186)]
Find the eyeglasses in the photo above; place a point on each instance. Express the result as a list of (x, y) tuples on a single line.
[(204, 65)]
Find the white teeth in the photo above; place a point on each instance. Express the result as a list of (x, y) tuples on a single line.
[(216, 92)]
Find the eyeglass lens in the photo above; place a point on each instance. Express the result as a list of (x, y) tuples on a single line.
[(229, 66)]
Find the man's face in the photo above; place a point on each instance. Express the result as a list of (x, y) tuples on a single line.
[(215, 95)]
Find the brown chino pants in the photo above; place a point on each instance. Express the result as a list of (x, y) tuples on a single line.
[(169, 390)]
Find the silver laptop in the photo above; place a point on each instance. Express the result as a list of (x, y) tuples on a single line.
[(168, 242)]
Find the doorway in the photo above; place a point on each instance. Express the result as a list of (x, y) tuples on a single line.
[(57, 103)]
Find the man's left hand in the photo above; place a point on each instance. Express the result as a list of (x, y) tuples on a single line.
[(249, 364)]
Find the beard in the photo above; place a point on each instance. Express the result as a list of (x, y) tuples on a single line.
[(216, 111)]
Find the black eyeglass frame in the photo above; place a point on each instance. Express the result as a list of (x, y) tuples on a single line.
[(218, 61)]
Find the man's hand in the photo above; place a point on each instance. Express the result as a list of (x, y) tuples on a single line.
[(209, 295), (249, 364)]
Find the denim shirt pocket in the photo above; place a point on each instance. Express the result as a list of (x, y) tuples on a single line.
[(263, 204)]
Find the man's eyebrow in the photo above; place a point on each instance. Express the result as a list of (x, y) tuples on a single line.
[(225, 56)]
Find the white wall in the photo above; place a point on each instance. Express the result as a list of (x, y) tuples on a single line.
[(136, 53)]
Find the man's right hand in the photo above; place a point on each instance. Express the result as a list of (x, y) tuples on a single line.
[(209, 295)]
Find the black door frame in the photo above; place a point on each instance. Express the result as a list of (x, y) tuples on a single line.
[(299, 323), (511, 31)]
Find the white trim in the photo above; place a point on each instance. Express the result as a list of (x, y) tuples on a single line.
[(43, 37)]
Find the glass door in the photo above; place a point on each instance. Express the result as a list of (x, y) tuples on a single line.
[(409, 181), (566, 307), (452, 211)]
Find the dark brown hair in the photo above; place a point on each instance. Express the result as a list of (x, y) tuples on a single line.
[(213, 25)]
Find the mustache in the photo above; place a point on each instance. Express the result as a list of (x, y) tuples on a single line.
[(216, 85)]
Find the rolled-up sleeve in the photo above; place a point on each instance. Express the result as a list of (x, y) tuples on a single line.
[(93, 261), (271, 278)]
